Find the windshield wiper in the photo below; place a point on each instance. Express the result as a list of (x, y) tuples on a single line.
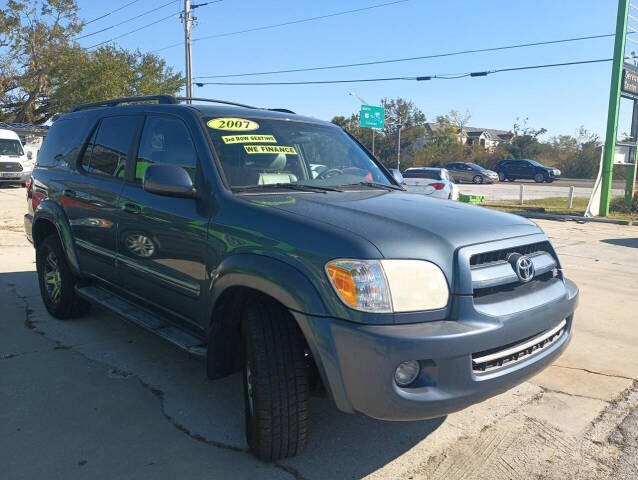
[(375, 185), (290, 186)]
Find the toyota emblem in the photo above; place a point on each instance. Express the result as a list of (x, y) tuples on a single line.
[(524, 268)]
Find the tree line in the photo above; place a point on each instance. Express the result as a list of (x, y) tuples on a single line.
[(44, 70)]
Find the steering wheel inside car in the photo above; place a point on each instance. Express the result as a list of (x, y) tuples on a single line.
[(331, 172)]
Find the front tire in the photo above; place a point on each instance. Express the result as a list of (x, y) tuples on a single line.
[(539, 178), (276, 382), (57, 284), (477, 179)]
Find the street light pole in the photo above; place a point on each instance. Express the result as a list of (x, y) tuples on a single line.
[(352, 94), (399, 147)]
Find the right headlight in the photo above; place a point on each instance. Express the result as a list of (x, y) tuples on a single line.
[(386, 286)]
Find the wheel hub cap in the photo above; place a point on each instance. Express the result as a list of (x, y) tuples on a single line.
[(52, 277)]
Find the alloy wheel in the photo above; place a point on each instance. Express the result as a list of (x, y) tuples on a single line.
[(52, 277)]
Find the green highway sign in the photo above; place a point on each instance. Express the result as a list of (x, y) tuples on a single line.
[(371, 116)]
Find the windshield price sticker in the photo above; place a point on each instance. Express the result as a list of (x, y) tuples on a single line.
[(270, 149), (232, 139), (236, 124)]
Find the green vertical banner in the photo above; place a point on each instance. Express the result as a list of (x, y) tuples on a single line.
[(614, 103)]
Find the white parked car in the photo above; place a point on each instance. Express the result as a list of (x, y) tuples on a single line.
[(16, 166), (435, 182)]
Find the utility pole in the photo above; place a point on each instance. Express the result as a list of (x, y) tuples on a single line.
[(612, 112), (187, 45)]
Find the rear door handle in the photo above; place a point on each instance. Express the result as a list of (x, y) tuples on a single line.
[(69, 193), (131, 208)]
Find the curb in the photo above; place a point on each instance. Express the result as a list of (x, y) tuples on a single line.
[(574, 218)]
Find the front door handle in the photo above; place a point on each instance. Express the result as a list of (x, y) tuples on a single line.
[(131, 208)]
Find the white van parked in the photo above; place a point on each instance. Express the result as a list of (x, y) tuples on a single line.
[(16, 166)]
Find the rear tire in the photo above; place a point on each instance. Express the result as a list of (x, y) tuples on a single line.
[(57, 284), (501, 177), (276, 382)]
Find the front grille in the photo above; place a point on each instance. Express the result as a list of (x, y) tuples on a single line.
[(501, 255), (513, 353), (10, 167)]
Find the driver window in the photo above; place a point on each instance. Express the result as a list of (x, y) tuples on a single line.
[(165, 140)]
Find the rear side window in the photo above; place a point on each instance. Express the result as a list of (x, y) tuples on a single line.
[(165, 140), (111, 145), (63, 142)]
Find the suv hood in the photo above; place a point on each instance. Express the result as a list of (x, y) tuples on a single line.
[(405, 225)]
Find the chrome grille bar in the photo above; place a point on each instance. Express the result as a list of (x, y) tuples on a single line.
[(502, 273), (517, 353)]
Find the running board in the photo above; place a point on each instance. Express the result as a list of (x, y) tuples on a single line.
[(138, 316)]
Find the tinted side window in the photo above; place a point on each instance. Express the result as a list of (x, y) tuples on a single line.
[(63, 142), (165, 140), (111, 145)]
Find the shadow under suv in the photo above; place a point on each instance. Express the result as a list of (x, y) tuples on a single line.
[(274, 244)]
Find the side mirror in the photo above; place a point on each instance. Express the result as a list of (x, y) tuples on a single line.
[(169, 180), (29, 154), (397, 175)]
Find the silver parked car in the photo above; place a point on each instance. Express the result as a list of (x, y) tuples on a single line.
[(471, 172), (435, 182)]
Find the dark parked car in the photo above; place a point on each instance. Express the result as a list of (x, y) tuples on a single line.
[(206, 225), (528, 169), (471, 172)]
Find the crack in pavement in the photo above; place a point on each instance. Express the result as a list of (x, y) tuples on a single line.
[(594, 372), (115, 372)]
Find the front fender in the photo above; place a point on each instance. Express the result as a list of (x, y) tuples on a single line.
[(51, 211), (270, 276)]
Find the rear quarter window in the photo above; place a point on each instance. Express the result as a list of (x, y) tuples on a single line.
[(63, 142)]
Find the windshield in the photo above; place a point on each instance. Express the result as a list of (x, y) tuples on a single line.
[(256, 153), (10, 147), (475, 166), (535, 163)]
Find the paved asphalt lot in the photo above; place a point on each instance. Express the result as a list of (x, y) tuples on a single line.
[(95, 397)]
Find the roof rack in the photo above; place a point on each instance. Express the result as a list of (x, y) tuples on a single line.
[(212, 100), (168, 100), (162, 99)]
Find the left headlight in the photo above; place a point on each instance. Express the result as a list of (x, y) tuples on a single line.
[(386, 286)]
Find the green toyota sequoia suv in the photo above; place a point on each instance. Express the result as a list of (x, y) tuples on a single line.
[(276, 245)]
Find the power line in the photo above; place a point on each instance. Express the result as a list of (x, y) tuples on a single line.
[(417, 78), (111, 12), (407, 59), (126, 21), (143, 27), (172, 15), (292, 22)]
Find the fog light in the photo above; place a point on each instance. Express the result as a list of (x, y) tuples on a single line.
[(406, 373)]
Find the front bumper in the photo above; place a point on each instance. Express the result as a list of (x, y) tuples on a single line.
[(357, 362), (15, 177)]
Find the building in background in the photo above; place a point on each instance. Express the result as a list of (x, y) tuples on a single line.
[(489, 138)]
